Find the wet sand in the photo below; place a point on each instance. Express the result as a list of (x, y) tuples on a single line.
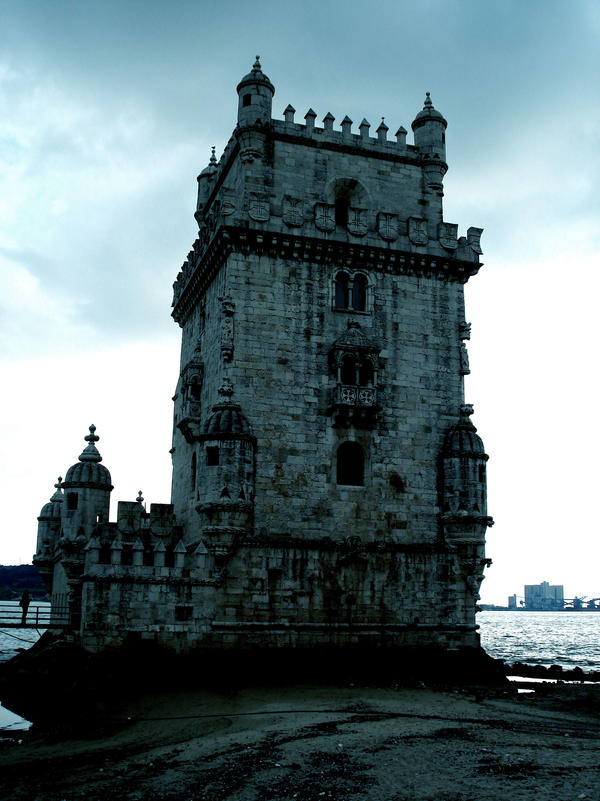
[(313, 743)]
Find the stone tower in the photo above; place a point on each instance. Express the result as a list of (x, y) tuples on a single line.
[(329, 487), (324, 461)]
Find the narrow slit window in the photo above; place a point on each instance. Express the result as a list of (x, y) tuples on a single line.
[(246, 100)]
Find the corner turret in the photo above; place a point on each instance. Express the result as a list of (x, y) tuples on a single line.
[(429, 128), (87, 492), (205, 180), (255, 93)]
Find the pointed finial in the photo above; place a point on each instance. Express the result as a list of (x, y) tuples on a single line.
[(58, 495), (140, 497), (213, 158), (90, 453), (428, 103), (256, 65), (91, 437)]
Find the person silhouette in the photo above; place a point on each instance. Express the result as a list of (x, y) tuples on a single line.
[(24, 604)]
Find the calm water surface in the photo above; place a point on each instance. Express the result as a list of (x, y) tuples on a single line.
[(570, 639)]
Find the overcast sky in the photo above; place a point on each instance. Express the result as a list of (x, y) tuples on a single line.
[(107, 114)]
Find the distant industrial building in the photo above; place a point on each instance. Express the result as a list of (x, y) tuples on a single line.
[(544, 596)]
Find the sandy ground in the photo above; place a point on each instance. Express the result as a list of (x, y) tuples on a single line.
[(321, 744)]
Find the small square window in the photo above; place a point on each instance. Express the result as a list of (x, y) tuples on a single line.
[(183, 613), (212, 456)]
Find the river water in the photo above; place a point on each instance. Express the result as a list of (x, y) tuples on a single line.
[(569, 639)]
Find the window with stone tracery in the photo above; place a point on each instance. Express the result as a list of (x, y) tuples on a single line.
[(350, 292)]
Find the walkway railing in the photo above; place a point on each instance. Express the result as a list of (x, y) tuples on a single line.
[(36, 616)]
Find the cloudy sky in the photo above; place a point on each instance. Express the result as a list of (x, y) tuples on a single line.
[(107, 114)]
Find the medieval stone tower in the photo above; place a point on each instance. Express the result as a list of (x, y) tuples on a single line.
[(329, 488)]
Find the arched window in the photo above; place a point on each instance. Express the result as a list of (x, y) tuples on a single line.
[(341, 211), (348, 370), (341, 291), (195, 388), (350, 469), (359, 293), (365, 373)]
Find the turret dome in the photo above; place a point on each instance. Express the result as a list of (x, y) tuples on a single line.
[(462, 439), (256, 76), (88, 472), (428, 114), (52, 509), (227, 417)]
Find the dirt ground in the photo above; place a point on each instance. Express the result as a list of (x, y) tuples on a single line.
[(321, 744)]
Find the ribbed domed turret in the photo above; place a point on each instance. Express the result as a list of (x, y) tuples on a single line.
[(88, 472), (227, 417), (255, 77), (463, 439), (428, 114), (52, 510)]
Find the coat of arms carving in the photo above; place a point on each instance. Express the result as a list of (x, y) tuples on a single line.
[(325, 216), (447, 234), (258, 207), (417, 230), (387, 226), (227, 202), (357, 221), (292, 211)]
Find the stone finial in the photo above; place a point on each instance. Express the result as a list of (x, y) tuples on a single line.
[(257, 68), (364, 128), (310, 118), (428, 104), (288, 113), (328, 121), (401, 136), (346, 125), (140, 498), (382, 131), (90, 454), (58, 495), (213, 158), (466, 410)]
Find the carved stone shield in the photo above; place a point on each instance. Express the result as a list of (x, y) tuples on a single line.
[(447, 234), (227, 203), (292, 211), (258, 207), (387, 226), (417, 230), (357, 221), (325, 216)]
